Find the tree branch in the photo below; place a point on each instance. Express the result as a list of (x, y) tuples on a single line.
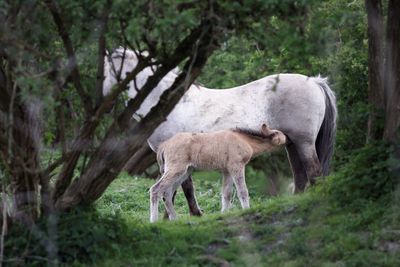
[(72, 62), (106, 164)]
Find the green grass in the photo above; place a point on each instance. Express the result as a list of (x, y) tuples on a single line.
[(300, 230)]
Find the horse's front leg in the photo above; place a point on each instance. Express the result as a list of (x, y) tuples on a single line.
[(188, 189)]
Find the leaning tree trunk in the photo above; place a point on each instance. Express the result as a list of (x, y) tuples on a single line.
[(143, 159)]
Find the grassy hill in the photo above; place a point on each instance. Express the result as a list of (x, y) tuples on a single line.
[(309, 229)]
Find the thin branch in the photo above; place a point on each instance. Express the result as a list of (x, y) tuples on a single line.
[(11, 122), (58, 84), (53, 166), (101, 52), (72, 62), (121, 66)]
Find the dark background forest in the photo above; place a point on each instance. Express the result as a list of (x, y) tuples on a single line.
[(69, 198)]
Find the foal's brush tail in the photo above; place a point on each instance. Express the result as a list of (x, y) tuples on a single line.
[(160, 159), (327, 133)]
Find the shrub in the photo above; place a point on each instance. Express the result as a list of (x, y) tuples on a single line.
[(366, 176)]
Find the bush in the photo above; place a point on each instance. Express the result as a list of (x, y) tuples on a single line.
[(82, 235), (366, 176)]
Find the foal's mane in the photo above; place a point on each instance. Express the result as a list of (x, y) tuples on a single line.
[(250, 133)]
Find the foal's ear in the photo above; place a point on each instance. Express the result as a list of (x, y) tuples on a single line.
[(265, 130)]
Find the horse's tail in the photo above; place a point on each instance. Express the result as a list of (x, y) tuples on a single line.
[(327, 133), (160, 159)]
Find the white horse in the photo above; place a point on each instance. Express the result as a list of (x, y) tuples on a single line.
[(304, 108)]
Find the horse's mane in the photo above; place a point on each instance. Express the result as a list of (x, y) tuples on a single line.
[(250, 133), (129, 54), (121, 52)]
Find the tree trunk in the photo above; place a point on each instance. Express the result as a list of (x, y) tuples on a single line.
[(392, 73), (140, 161), (375, 66)]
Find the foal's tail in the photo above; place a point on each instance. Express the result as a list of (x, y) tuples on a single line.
[(160, 159), (327, 133)]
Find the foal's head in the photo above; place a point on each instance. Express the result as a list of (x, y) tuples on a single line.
[(277, 137)]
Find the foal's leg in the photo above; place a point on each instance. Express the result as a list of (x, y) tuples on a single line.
[(188, 190), (241, 188), (226, 192), (169, 195), (166, 216), (165, 184), (154, 199), (169, 206), (298, 170)]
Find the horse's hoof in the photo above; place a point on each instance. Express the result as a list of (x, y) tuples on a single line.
[(197, 213)]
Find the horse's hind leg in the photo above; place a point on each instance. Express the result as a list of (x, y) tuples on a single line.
[(309, 158), (298, 170)]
